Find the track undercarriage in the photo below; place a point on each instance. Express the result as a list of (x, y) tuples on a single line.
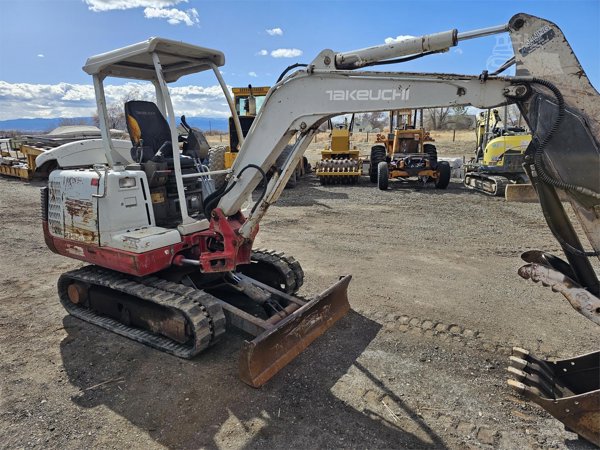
[(494, 185), (183, 312)]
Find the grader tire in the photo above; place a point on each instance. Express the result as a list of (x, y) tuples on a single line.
[(377, 155), (443, 179), (383, 176), (216, 161)]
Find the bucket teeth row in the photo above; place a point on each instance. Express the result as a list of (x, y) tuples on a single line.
[(569, 389)]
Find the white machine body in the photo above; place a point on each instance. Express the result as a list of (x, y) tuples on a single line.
[(106, 208)]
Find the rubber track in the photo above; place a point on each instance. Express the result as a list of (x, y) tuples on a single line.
[(199, 308), (499, 181), (287, 266)]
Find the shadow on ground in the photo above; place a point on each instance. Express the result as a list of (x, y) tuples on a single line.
[(202, 403)]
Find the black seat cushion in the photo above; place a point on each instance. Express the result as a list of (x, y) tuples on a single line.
[(148, 128)]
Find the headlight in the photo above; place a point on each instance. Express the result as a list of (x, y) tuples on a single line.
[(126, 182)]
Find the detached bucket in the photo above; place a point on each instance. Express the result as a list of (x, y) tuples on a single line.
[(569, 389), (272, 350)]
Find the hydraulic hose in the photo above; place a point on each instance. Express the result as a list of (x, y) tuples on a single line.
[(538, 161), (545, 177), (213, 199)]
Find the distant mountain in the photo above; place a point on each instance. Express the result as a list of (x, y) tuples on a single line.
[(44, 125), (38, 125), (207, 123)]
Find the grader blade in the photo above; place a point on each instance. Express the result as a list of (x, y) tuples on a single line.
[(569, 389), (272, 350)]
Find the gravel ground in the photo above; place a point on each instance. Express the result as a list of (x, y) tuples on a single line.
[(419, 362)]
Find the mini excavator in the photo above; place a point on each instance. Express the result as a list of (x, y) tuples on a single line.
[(171, 257)]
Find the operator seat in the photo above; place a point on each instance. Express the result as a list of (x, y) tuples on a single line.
[(148, 130), (153, 152)]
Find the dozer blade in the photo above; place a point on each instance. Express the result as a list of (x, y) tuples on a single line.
[(569, 389), (272, 350)]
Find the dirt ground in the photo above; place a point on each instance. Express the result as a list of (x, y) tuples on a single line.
[(419, 362)]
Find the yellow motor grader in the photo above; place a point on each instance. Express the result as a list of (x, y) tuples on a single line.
[(406, 152)]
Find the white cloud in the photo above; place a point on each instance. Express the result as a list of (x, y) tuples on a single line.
[(109, 5), (402, 37), (24, 100), (458, 51), (274, 31), (174, 16), (286, 53), (252, 74), (153, 9), (41, 55), (262, 52)]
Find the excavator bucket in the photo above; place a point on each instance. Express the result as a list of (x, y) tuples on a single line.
[(569, 389), (270, 351)]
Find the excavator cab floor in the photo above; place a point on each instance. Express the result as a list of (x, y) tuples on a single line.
[(569, 389)]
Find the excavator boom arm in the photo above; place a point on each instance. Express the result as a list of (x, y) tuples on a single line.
[(550, 88), (301, 103)]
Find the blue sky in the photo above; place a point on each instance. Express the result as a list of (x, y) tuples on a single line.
[(44, 43)]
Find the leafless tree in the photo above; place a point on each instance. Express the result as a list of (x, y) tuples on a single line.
[(375, 119), (116, 112), (437, 117)]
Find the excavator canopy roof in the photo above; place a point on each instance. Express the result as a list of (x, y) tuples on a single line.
[(135, 61)]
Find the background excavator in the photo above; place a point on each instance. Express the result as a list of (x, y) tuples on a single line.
[(499, 155), (174, 287)]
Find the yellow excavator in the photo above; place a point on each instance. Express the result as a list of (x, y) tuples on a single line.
[(499, 155), (340, 162)]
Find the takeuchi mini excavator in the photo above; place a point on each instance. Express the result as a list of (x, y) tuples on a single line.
[(175, 283)]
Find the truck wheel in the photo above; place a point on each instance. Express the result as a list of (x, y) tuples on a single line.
[(216, 161), (443, 179), (306, 165), (377, 155), (383, 176), (291, 183), (281, 161), (431, 150)]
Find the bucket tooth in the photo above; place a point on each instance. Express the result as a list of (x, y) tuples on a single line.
[(569, 389), (272, 350)]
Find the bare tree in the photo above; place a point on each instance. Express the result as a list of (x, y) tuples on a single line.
[(438, 117), (116, 112), (375, 119)]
